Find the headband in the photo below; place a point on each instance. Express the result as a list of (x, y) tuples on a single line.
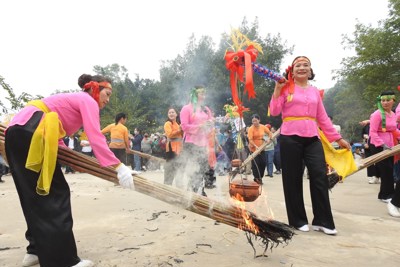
[(194, 94), (301, 58), (383, 113), (95, 86), (105, 85)]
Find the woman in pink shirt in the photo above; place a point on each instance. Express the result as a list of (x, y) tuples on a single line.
[(303, 113), (394, 205), (43, 191), (383, 133), (197, 123)]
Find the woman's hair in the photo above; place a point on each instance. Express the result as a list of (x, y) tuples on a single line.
[(255, 116), (176, 111), (312, 76), (85, 78), (119, 116)]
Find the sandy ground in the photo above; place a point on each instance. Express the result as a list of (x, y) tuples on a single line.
[(119, 227)]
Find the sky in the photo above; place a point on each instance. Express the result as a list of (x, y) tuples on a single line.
[(45, 45)]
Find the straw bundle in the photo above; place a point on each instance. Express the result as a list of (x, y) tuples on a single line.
[(270, 232)]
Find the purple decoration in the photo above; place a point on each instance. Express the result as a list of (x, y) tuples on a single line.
[(267, 73)]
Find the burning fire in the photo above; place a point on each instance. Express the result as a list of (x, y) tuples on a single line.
[(248, 223)]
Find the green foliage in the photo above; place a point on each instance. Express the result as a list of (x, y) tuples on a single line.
[(202, 63), (374, 68), (14, 102)]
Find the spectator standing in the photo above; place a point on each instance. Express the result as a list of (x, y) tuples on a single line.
[(146, 148), (277, 153), (86, 148), (137, 146), (269, 153), (256, 138), (71, 142), (173, 149), (119, 136)]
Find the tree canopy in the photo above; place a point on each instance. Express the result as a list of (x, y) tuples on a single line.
[(375, 67)]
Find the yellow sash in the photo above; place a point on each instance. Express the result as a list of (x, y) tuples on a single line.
[(341, 160), (42, 155)]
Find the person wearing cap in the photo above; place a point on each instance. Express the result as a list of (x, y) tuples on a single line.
[(303, 113), (384, 134), (197, 124), (32, 140)]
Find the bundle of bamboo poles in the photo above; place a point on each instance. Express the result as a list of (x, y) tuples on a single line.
[(271, 232)]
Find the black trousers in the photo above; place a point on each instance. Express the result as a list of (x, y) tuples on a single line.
[(173, 170), (49, 218), (385, 169), (258, 165), (120, 153), (294, 151)]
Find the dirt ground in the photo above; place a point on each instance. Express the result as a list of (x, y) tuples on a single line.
[(120, 227)]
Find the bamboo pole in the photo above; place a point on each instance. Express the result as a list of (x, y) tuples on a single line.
[(146, 156), (271, 232), (253, 155)]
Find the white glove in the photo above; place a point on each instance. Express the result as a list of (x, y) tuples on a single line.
[(125, 176)]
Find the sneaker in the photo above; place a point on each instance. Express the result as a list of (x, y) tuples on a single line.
[(84, 263), (30, 260), (325, 230), (304, 228), (136, 172), (373, 180), (277, 172), (387, 200), (393, 210)]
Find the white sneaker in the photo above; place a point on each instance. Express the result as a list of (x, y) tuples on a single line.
[(304, 228), (373, 180), (393, 210), (387, 200), (30, 260), (136, 172), (325, 230), (84, 263)]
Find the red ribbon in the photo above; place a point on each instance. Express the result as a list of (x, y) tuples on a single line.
[(95, 89), (321, 93), (241, 109), (234, 63)]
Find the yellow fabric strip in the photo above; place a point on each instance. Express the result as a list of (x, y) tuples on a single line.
[(299, 118), (341, 160), (42, 155)]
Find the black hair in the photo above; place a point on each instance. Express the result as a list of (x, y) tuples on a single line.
[(177, 114), (85, 78), (255, 116), (119, 116), (312, 76)]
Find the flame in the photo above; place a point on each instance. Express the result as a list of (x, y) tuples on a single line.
[(248, 223)]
